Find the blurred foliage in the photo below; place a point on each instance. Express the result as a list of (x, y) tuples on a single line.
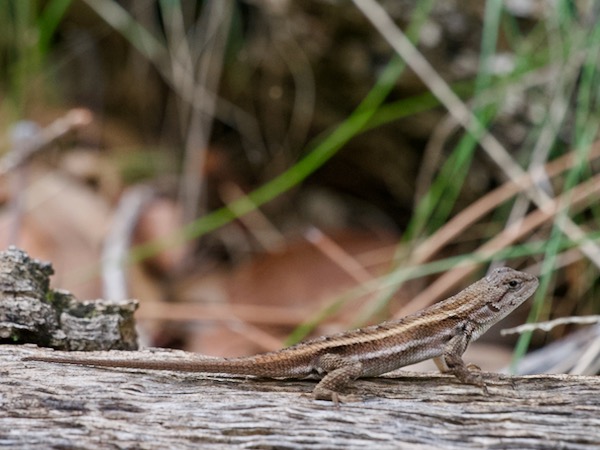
[(285, 99)]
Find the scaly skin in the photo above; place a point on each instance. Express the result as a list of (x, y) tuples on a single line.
[(442, 332)]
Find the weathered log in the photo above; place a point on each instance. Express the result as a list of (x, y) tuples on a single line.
[(47, 405), (63, 406)]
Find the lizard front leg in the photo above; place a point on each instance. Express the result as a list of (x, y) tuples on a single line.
[(340, 372), (451, 362)]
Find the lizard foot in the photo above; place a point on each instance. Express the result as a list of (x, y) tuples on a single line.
[(335, 397), (321, 393)]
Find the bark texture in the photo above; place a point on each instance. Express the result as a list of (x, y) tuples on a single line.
[(47, 405), (31, 312)]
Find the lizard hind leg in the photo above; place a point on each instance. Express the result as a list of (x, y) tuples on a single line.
[(340, 372)]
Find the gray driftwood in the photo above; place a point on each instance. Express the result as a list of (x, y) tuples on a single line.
[(47, 405)]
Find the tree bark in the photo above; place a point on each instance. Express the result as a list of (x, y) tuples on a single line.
[(31, 312), (47, 405)]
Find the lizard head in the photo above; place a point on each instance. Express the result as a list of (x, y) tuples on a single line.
[(498, 294)]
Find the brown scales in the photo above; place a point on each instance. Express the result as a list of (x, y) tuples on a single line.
[(442, 332)]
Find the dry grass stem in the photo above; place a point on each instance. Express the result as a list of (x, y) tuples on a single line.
[(494, 149)]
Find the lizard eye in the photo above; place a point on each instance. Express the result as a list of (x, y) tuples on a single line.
[(513, 283)]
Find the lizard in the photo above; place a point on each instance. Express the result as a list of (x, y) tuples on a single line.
[(440, 332)]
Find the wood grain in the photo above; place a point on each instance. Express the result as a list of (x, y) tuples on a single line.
[(57, 406)]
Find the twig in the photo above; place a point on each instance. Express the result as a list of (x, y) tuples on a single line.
[(547, 326), (22, 153), (259, 225), (118, 240), (338, 255)]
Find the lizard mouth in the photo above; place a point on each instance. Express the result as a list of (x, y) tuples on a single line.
[(493, 307)]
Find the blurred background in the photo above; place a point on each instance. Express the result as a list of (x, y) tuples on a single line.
[(258, 171)]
